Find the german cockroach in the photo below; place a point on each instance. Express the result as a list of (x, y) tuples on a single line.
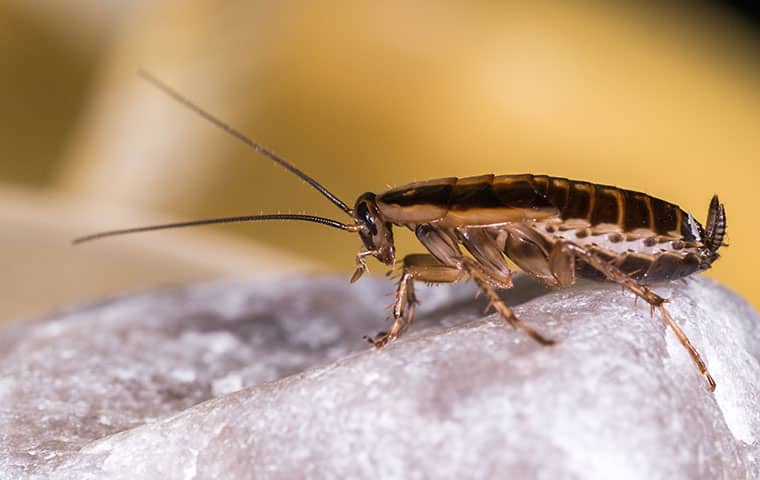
[(554, 229)]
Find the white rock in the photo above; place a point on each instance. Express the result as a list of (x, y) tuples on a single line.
[(273, 380)]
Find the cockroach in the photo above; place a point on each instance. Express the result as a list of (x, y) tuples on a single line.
[(554, 229)]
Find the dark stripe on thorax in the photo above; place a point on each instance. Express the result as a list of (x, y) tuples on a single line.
[(436, 193)]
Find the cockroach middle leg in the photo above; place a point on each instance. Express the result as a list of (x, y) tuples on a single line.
[(477, 274), (416, 267), (642, 291)]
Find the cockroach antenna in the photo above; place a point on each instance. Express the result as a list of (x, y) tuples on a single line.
[(255, 146), (148, 77), (245, 218)]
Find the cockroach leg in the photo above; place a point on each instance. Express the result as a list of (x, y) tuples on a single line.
[(416, 267), (405, 298), (403, 311), (361, 265), (655, 301), (484, 246), (426, 268), (689, 347), (475, 271)]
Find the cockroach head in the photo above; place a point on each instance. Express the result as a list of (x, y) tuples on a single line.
[(375, 232)]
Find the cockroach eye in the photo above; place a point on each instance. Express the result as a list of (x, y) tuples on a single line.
[(366, 216)]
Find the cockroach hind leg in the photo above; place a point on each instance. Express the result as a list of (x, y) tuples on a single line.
[(655, 301), (546, 342), (695, 357), (710, 381)]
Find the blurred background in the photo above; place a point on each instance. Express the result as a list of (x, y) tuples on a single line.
[(660, 97)]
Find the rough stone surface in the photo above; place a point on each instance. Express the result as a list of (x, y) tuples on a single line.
[(272, 380)]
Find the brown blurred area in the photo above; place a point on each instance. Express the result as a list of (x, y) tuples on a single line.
[(657, 97)]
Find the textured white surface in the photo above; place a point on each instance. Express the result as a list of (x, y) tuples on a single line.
[(272, 380)]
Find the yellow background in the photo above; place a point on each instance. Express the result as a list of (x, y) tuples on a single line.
[(661, 98)]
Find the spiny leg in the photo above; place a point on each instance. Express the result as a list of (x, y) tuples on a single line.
[(416, 267), (654, 300), (361, 264), (403, 312), (481, 278)]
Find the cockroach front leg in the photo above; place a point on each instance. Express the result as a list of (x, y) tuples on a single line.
[(416, 267), (361, 264), (655, 301)]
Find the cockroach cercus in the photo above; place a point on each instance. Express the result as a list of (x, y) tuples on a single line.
[(554, 229)]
